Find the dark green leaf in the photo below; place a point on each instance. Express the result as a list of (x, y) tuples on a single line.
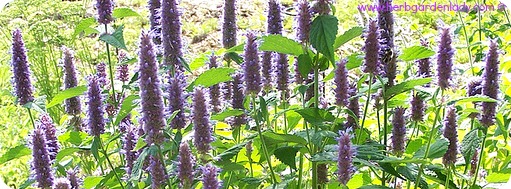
[(469, 144), (281, 44), (405, 86), (416, 53), (316, 116), (304, 65), (127, 105), (115, 39), (84, 25), (347, 36), (237, 48), (231, 152), (407, 173), (325, 157), (212, 77), (95, 147), (65, 94), (124, 12), (322, 35), (387, 167), (269, 135), (226, 113), (287, 155), (139, 164), (14, 153), (436, 150)]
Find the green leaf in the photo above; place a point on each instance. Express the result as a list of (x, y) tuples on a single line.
[(65, 94), (347, 36), (66, 152), (226, 113), (124, 12), (231, 152), (354, 61), (322, 35), (84, 26), (405, 86), (27, 183), (436, 150), (316, 116), (325, 157), (287, 155), (139, 164), (416, 53), (283, 138), (73, 137), (126, 107), (499, 177), (280, 44), (304, 65), (374, 187), (476, 98), (95, 147), (91, 182), (237, 48), (212, 77), (198, 62), (14, 153), (115, 39), (469, 144), (407, 173)]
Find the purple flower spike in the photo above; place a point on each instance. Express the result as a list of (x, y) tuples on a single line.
[(171, 34), (185, 166), (46, 123), (62, 183), (353, 106), (73, 179), (150, 92), (418, 107), (41, 164), (155, 20), (371, 49), (129, 142), (282, 75), (475, 86), (445, 56), (201, 125), (21, 69), (105, 8), (387, 54), (210, 174), (267, 70), (214, 91), (321, 7), (451, 134), (177, 100), (341, 84), (424, 64), (251, 66), (347, 152), (157, 172), (274, 18), (229, 24), (72, 105), (123, 73), (322, 173), (95, 108), (490, 85), (237, 100), (398, 131), (101, 74), (303, 20), (473, 162)]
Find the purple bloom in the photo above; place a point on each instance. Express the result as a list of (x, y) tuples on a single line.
[(157, 172), (267, 70), (214, 91), (322, 173), (345, 168), (209, 179), (72, 105), (123, 73), (341, 84), (249, 149), (418, 107), (95, 108), (171, 34), (282, 75), (237, 100), (445, 56), (129, 141), (21, 69), (424, 64), (274, 18), (150, 92), (451, 134), (371, 49), (475, 87), (229, 24), (46, 123), (473, 162), (41, 163), (490, 84), (398, 131), (201, 125), (61, 183), (387, 52), (73, 179), (321, 7), (177, 100), (101, 74), (303, 20), (251, 66), (154, 19), (185, 165), (353, 106), (105, 8), (227, 90)]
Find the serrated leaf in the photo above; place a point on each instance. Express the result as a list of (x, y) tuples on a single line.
[(14, 153), (283, 138), (66, 152), (115, 39), (436, 149), (231, 152), (127, 105), (416, 53), (73, 137), (91, 181), (212, 77), (280, 44), (226, 113), (124, 12), (406, 86), (322, 35), (139, 164), (469, 144), (476, 98), (325, 157), (316, 116), (84, 25), (304, 65), (347, 36), (407, 173), (66, 94), (287, 155), (198, 62)]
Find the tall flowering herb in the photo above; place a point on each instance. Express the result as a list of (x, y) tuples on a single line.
[(201, 124), (274, 18), (424, 64), (46, 123), (341, 84), (490, 84), (41, 163), (303, 26), (214, 91), (185, 165), (72, 105), (150, 91), (73, 178), (353, 106), (451, 134), (101, 74), (418, 106), (21, 69), (61, 183), (229, 24), (95, 108), (445, 56), (209, 179), (171, 34), (347, 152), (129, 141), (123, 73), (251, 66), (177, 100), (155, 20), (237, 100), (267, 70), (371, 49), (398, 131), (282, 75), (387, 54), (322, 173), (475, 86), (157, 172), (105, 9), (274, 26)]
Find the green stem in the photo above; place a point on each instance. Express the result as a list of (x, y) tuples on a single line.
[(447, 176), (31, 117), (110, 68), (300, 172), (467, 43), (316, 103), (109, 162), (385, 122), (481, 156), (263, 143), (359, 135)]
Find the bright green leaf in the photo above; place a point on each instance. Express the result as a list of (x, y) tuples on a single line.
[(84, 25), (436, 150), (65, 94), (124, 12), (280, 44), (476, 98), (469, 144), (14, 153), (115, 39), (127, 105), (347, 36), (73, 137), (212, 77), (91, 181), (66, 152), (416, 53), (406, 86), (227, 113)]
